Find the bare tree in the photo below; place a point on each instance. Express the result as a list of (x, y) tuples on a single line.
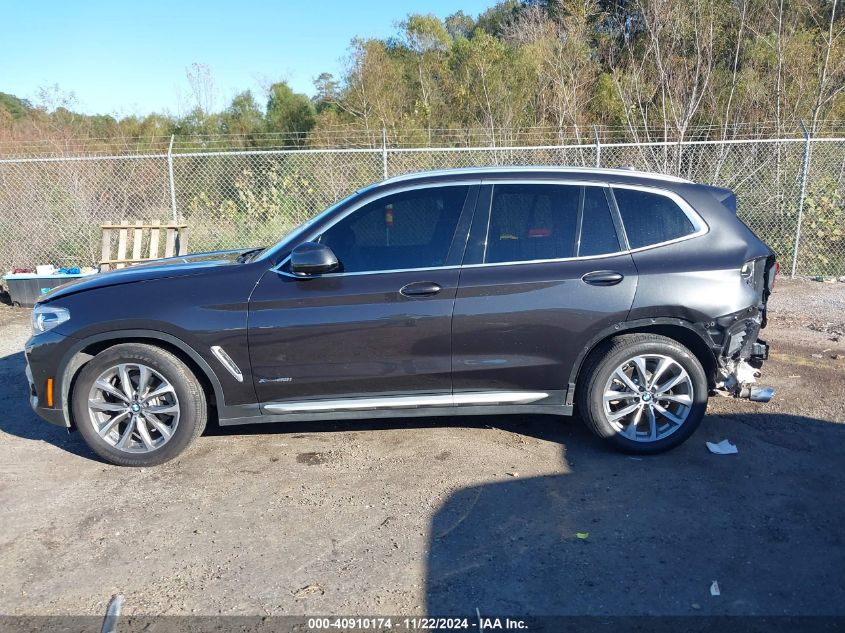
[(201, 82), (831, 66), (560, 55), (375, 90), (673, 67), (428, 40)]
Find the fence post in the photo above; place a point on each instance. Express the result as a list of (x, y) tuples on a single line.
[(598, 146), (805, 168), (384, 152), (172, 181)]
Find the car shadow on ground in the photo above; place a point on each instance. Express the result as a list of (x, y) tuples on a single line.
[(18, 419), (614, 535), (618, 535)]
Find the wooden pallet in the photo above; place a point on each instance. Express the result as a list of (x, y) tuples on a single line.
[(133, 235)]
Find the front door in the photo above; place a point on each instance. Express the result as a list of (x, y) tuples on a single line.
[(381, 325), (548, 274)]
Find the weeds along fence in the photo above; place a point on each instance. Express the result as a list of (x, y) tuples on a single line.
[(791, 191)]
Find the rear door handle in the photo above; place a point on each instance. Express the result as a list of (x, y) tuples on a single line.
[(602, 278), (420, 289)]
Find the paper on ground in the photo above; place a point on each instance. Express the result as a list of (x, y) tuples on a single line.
[(722, 448)]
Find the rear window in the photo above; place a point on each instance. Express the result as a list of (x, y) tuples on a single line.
[(651, 218)]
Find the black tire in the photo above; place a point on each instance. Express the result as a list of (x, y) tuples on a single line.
[(603, 362), (191, 399)]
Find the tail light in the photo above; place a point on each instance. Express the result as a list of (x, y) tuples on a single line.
[(775, 271)]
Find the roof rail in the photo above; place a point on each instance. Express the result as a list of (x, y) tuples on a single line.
[(480, 171)]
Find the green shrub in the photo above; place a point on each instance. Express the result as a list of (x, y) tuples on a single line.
[(822, 248)]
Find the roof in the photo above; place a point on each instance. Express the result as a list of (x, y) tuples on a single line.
[(498, 170)]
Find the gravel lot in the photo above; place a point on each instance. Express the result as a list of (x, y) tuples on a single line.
[(446, 515)]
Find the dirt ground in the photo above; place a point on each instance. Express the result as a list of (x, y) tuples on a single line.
[(446, 515)]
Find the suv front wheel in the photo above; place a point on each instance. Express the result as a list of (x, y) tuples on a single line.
[(138, 405), (644, 393)]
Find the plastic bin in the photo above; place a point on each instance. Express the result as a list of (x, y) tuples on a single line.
[(25, 288)]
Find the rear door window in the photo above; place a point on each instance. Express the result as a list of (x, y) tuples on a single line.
[(538, 222), (651, 218), (529, 222)]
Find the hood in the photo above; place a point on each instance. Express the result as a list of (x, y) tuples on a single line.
[(157, 269)]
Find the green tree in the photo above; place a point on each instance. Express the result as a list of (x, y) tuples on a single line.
[(243, 117), (17, 108), (289, 113), (459, 24), (497, 18), (490, 89), (327, 93), (199, 123), (428, 41), (375, 88)]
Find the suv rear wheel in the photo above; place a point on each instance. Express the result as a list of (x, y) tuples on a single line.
[(643, 393), (138, 405)]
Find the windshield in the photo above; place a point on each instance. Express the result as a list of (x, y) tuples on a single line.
[(300, 230)]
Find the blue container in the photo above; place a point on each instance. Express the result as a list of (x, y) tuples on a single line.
[(25, 288)]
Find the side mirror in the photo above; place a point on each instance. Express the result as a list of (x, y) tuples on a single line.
[(311, 258)]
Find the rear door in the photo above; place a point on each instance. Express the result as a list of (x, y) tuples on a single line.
[(546, 270)]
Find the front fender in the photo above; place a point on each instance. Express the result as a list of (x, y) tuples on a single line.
[(75, 357)]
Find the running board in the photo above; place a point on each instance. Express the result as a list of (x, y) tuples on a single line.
[(409, 402)]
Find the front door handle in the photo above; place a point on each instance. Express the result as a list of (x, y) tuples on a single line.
[(420, 289), (602, 278)]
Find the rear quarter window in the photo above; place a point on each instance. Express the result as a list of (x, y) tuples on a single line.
[(651, 218)]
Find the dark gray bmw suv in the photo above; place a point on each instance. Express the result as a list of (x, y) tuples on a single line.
[(624, 297)]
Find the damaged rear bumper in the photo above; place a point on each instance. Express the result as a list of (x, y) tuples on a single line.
[(740, 355)]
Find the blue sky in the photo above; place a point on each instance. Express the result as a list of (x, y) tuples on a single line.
[(122, 57)]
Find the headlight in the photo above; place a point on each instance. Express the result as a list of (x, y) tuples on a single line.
[(47, 317)]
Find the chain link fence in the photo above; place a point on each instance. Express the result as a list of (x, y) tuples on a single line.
[(51, 208)]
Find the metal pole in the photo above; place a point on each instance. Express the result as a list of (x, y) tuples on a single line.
[(598, 146), (384, 152), (172, 181), (805, 168)]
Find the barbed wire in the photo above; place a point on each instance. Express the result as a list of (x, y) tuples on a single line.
[(354, 137)]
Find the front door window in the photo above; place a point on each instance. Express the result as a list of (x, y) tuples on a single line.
[(407, 230)]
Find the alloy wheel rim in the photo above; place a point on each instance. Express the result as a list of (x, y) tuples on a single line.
[(133, 408), (648, 397)]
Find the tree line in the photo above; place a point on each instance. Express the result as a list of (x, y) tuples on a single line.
[(525, 71)]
